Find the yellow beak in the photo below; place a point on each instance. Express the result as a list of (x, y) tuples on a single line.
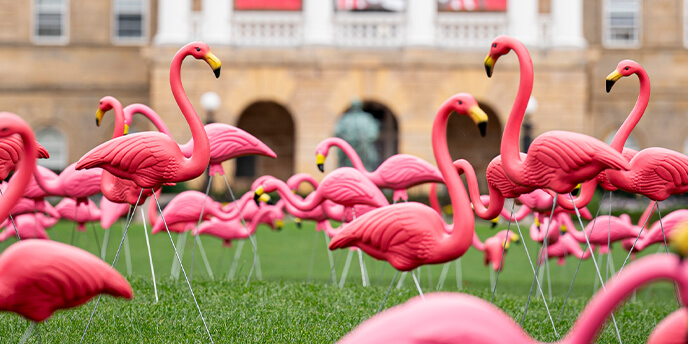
[(479, 117), (515, 238), (99, 116), (279, 224), (264, 197), (126, 129), (612, 78), (320, 161), (214, 63), (489, 65)]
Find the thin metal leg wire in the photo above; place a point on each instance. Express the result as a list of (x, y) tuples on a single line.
[(501, 258)]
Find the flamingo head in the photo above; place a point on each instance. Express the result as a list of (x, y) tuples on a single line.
[(321, 151), (298, 222), (500, 46), (106, 104), (624, 68), (260, 195), (465, 104), (201, 51)]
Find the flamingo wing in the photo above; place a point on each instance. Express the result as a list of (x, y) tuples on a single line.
[(403, 234), (147, 158), (348, 186), (498, 179), (656, 169), (577, 156), (402, 171), (228, 142), (44, 276)]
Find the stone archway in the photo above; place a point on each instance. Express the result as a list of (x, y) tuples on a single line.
[(271, 123), (387, 143), (465, 142)]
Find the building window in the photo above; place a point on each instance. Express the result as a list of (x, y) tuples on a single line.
[(621, 23), (50, 21), (56, 144), (631, 141), (130, 20)]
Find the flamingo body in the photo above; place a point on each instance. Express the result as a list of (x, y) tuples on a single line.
[(11, 149), (605, 228), (110, 212), (658, 230), (80, 213), (29, 226), (186, 208), (38, 277), (70, 183)]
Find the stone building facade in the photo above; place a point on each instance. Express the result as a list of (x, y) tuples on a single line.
[(288, 76)]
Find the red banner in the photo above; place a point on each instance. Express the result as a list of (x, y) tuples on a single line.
[(269, 5), (472, 5)]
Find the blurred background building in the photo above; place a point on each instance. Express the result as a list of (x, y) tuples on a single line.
[(291, 69)]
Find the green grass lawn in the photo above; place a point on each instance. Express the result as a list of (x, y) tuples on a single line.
[(284, 308)]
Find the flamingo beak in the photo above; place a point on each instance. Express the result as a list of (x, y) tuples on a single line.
[(515, 238), (612, 78), (126, 129), (320, 161), (489, 65), (265, 198), (279, 224), (495, 222), (576, 191), (257, 194), (99, 116), (679, 240), (298, 222), (479, 117), (214, 63)]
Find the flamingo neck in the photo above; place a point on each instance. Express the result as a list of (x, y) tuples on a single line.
[(479, 245), (636, 114), (510, 149), (348, 150), (25, 171), (496, 202), (463, 227), (196, 165), (149, 113), (119, 119), (311, 201), (636, 275)]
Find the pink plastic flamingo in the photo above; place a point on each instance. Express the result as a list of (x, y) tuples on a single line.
[(12, 124), (398, 172), (10, 152), (79, 213), (556, 160), (494, 246), (71, 183), (29, 226), (671, 329), (117, 189), (345, 186), (624, 68), (186, 208), (151, 159), (28, 206), (233, 230), (619, 228), (565, 246), (658, 230), (461, 318), (226, 141), (409, 235), (40, 277)]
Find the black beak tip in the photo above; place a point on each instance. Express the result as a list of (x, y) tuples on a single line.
[(321, 167), (256, 199), (299, 225), (271, 202), (217, 72), (494, 224), (488, 69), (610, 84), (575, 192), (483, 128), (97, 122)]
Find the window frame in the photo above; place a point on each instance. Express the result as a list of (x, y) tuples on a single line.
[(145, 30), (63, 39), (607, 41), (62, 163)]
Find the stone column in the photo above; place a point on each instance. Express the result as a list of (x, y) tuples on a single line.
[(567, 24), (318, 22), (523, 20), (173, 22), (216, 21), (420, 23)]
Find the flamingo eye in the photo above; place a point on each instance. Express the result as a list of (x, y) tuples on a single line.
[(101, 103), (494, 45), (4, 129), (198, 49), (460, 102), (626, 68)]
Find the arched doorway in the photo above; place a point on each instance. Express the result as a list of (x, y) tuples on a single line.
[(465, 142), (387, 143), (271, 123)]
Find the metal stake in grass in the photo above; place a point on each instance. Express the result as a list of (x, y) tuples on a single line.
[(198, 239), (501, 258), (240, 246), (150, 257), (16, 231)]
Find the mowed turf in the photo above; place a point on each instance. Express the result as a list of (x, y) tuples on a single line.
[(288, 307)]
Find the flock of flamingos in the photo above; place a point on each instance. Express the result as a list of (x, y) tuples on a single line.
[(38, 277)]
